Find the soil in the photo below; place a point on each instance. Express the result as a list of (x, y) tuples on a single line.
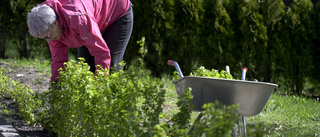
[(38, 82)]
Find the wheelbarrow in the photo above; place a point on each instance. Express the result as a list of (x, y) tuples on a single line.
[(251, 96)]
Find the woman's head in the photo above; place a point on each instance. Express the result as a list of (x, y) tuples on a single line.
[(40, 20)]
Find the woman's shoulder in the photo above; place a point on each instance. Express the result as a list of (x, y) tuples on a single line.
[(66, 8)]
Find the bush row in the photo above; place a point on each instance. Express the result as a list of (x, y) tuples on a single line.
[(21, 94), (125, 103)]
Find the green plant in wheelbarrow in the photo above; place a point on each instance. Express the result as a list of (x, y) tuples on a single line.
[(203, 72)]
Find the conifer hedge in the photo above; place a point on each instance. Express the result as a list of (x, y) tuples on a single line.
[(277, 43)]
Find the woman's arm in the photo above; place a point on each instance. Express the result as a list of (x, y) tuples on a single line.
[(59, 55)]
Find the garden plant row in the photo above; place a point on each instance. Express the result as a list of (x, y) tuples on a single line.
[(125, 103)]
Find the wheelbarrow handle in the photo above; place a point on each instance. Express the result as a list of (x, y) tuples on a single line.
[(244, 71), (174, 63), (171, 62)]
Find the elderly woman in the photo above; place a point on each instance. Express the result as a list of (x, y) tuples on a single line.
[(100, 29)]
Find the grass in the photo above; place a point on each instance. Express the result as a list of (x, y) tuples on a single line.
[(172, 99), (41, 65), (289, 116), (282, 115)]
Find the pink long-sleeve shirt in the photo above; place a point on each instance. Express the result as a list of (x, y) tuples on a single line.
[(83, 22)]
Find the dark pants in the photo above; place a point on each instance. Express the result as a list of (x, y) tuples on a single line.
[(117, 37)]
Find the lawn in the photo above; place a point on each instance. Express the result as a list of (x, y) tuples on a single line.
[(289, 116)]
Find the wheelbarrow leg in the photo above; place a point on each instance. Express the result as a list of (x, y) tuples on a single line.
[(242, 128), (243, 77), (195, 122)]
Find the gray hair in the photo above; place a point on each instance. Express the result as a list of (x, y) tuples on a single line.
[(40, 20)]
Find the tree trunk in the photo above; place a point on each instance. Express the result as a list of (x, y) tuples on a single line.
[(3, 44), (22, 45)]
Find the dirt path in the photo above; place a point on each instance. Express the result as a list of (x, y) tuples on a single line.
[(38, 82), (29, 76)]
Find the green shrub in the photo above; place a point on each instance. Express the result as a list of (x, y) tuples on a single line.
[(21, 94), (125, 103), (218, 120)]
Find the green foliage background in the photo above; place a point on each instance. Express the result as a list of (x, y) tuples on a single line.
[(277, 43)]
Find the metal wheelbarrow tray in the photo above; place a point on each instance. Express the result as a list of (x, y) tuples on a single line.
[(250, 95)]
